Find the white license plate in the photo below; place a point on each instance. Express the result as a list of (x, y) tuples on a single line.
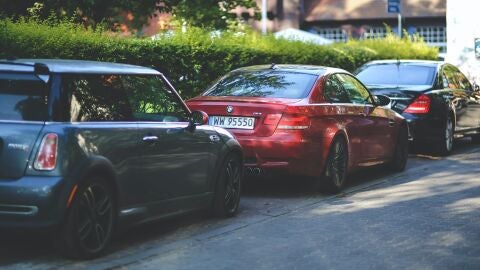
[(232, 122)]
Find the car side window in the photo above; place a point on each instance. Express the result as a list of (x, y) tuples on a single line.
[(334, 92), (153, 100), (356, 92), (463, 82), (450, 79), (95, 98)]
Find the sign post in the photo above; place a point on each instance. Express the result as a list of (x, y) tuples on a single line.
[(393, 6), (477, 48), (264, 16)]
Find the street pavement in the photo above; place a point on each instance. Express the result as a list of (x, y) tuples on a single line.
[(427, 217)]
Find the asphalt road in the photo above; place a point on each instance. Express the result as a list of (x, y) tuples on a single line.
[(427, 217)]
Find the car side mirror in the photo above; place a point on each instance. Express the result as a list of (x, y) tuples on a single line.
[(199, 118), (476, 87), (381, 100)]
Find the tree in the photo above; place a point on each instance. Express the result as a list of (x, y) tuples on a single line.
[(205, 13), (88, 12)]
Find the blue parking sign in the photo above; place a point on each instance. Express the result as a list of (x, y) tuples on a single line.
[(393, 6), (477, 47)]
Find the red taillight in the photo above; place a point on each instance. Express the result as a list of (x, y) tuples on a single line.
[(272, 119), (294, 121), (47, 154), (420, 105)]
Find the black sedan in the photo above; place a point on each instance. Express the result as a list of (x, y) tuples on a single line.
[(437, 100)]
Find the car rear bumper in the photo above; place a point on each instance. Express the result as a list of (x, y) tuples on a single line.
[(425, 128), (287, 151), (31, 202)]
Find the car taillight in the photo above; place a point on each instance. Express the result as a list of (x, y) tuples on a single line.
[(272, 119), (47, 154), (294, 121), (420, 105)]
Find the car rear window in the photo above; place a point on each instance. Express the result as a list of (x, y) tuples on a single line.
[(22, 97), (274, 84), (395, 74)]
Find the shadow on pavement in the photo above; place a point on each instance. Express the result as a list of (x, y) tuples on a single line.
[(27, 246)]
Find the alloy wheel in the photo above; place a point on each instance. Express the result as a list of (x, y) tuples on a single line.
[(449, 134), (94, 217), (337, 166), (232, 185)]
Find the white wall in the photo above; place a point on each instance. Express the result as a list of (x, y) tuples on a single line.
[(463, 26)]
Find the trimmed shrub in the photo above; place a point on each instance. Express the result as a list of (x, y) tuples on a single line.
[(192, 60)]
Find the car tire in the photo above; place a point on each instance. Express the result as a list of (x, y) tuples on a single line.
[(336, 166), (400, 154), (446, 143), (228, 187), (90, 221)]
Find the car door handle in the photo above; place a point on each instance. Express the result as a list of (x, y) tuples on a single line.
[(391, 123), (150, 138), (362, 114)]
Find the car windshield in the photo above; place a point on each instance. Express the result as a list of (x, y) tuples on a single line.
[(22, 97), (394, 74), (271, 83)]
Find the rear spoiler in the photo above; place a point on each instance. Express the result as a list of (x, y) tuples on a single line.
[(38, 68)]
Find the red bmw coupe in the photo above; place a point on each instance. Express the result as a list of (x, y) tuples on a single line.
[(308, 120)]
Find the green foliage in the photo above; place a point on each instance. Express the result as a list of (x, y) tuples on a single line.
[(194, 59), (88, 13), (214, 14)]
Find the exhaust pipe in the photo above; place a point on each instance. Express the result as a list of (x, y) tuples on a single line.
[(253, 171)]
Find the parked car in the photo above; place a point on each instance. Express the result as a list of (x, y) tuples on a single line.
[(437, 100), (315, 121), (87, 148)]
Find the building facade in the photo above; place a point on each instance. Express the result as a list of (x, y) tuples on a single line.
[(340, 20)]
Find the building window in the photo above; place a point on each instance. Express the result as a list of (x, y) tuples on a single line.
[(335, 34), (374, 32), (432, 35)]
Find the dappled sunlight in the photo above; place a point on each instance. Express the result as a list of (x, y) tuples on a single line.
[(464, 206), (425, 156), (443, 183), (446, 239)]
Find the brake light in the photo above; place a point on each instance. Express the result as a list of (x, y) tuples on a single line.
[(420, 105), (294, 121), (47, 154), (272, 119)]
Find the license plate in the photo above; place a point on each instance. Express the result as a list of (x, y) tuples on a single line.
[(232, 122)]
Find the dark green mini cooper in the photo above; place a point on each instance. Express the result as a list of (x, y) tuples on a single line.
[(88, 148)]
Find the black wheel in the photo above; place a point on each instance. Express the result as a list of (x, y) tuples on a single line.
[(400, 154), (90, 221), (446, 142), (336, 165), (228, 187)]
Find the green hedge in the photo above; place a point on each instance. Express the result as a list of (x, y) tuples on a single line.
[(192, 60)]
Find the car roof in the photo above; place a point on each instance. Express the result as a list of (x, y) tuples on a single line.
[(74, 66), (307, 69), (431, 63)]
